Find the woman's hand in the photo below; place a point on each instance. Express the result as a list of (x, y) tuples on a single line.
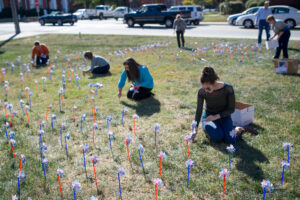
[(195, 133), (212, 118), (120, 93)]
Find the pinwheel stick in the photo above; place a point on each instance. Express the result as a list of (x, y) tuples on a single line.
[(160, 166), (155, 191), (95, 173), (20, 161), (127, 151), (12, 148), (188, 149), (224, 187), (61, 194)]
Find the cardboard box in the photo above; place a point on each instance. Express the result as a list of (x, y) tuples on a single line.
[(243, 114), (286, 66), (272, 44)]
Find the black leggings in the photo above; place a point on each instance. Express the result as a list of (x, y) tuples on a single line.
[(101, 70), (41, 61), (141, 94), (180, 33)]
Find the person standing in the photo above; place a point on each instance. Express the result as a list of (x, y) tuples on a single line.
[(99, 65), (41, 52), (283, 32), (179, 26), (141, 78), (261, 21)]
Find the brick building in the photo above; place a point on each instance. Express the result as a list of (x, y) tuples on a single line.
[(63, 5)]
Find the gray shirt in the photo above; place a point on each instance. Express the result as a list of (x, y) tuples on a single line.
[(179, 25), (97, 61), (279, 26)]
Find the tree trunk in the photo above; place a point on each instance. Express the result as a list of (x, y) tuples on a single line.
[(15, 16)]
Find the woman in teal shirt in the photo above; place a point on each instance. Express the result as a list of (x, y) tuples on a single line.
[(142, 81)]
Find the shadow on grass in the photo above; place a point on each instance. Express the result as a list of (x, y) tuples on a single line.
[(94, 76), (294, 49), (9, 39), (249, 156), (296, 75), (146, 107)]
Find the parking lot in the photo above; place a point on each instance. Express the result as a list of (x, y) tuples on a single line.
[(111, 26)]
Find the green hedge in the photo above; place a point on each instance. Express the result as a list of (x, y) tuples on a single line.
[(254, 3), (6, 12), (232, 8)]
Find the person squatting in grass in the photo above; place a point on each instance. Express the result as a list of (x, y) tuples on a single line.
[(219, 98), (41, 52), (99, 65), (179, 25), (141, 78), (283, 32)]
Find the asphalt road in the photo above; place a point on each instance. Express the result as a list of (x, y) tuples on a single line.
[(207, 29)]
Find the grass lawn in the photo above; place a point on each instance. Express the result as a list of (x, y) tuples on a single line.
[(176, 74), (214, 17)]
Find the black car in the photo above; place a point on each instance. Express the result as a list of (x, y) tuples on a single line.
[(58, 18), (154, 14)]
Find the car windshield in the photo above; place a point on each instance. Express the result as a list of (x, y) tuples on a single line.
[(173, 9)]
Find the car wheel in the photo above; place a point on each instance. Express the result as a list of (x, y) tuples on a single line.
[(59, 22), (141, 25), (42, 22), (233, 22), (290, 23), (168, 23), (72, 23), (100, 16), (196, 22), (130, 22), (248, 23)]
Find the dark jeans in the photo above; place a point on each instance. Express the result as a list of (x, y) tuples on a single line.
[(180, 34), (41, 61), (283, 45), (263, 24), (101, 70), (141, 94), (218, 130)]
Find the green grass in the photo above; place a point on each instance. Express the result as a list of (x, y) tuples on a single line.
[(176, 75), (214, 17)]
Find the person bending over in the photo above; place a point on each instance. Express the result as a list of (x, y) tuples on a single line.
[(283, 32), (99, 65), (41, 52), (139, 75), (220, 104)]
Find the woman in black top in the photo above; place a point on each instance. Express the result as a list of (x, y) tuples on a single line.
[(220, 104)]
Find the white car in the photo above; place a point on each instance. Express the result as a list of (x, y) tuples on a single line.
[(232, 18), (81, 14), (196, 13), (103, 11), (290, 15), (119, 12)]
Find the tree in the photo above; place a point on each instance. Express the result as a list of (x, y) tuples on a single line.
[(15, 16)]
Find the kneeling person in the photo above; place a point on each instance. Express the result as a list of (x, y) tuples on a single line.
[(99, 65), (41, 52), (140, 77)]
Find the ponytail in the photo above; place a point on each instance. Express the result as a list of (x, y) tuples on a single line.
[(209, 75)]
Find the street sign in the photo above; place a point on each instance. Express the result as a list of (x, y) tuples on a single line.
[(36, 2)]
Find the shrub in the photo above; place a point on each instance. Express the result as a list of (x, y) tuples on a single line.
[(254, 3), (231, 7)]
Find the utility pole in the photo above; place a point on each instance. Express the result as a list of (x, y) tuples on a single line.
[(15, 16)]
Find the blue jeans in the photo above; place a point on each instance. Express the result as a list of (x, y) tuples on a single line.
[(218, 130), (261, 25), (283, 45)]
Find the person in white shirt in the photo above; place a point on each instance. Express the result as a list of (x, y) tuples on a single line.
[(261, 21)]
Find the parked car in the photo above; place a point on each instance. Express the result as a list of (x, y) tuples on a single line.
[(196, 13), (290, 15), (154, 14), (81, 14), (100, 12), (58, 18), (119, 12), (232, 18)]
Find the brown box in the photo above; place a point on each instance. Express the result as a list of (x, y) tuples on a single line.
[(286, 66)]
